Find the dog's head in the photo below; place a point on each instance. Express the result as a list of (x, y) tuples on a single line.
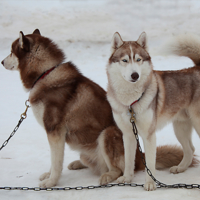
[(131, 58), (19, 49), (32, 55)]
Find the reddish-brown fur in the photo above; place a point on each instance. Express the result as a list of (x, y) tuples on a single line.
[(182, 83), (126, 51), (72, 103), (168, 96), (169, 155)]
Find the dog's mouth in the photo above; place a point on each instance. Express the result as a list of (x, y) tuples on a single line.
[(133, 81), (11, 68), (2, 62)]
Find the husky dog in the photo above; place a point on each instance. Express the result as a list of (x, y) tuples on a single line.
[(156, 97), (70, 107), (73, 109)]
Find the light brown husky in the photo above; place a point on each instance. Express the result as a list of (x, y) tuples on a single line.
[(72, 109), (156, 97)]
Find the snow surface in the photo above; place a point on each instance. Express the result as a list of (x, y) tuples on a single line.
[(83, 29)]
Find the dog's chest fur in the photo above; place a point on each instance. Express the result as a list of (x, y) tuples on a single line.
[(38, 111), (143, 117), (145, 108)]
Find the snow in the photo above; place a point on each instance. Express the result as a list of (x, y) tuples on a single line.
[(83, 29)]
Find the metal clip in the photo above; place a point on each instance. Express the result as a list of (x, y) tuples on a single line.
[(132, 118), (24, 115)]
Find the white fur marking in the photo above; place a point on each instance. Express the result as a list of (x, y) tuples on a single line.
[(130, 68), (57, 145), (11, 62), (38, 111)]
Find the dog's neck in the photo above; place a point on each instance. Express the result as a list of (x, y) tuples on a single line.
[(44, 74), (137, 100), (39, 60)]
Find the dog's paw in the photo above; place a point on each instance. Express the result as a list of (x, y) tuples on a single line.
[(105, 179), (176, 169), (76, 165), (47, 183), (149, 186), (45, 176), (124, 179)]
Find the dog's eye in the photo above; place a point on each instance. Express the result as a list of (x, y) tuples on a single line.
[(124, 60), (138, 60)]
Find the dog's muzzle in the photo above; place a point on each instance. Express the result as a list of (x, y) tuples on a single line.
[(134, 77)]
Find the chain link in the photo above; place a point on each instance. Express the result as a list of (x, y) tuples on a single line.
[(23, 116), (158, 183), (12, 134), (135, 131), (72, 188)]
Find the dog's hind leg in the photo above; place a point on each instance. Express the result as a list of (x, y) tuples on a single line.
[(57, 144), (196, 124), (75, 165), (84, 162), (183, 131), (109, 149)]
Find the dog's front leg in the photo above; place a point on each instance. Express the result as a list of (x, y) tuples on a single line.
[(129, 151), (57, 143), (150, 155), (129, 147), (129, 156)]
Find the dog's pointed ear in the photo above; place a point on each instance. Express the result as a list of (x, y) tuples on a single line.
[(116, 42), (142, 41), (36, 31), (23, 42)]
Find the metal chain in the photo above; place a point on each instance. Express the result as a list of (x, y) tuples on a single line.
[(72, 188), (158, 183), (23, 116)]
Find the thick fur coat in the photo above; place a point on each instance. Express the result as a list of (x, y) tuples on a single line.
[(72, 109), (164, 96)]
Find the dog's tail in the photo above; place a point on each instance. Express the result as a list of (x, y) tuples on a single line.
[(185, 45), (166, 156)]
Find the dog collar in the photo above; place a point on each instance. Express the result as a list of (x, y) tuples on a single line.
[(137, 100), (44, 74)]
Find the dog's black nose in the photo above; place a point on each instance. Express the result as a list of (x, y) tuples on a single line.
[(2, 62), (134, 76)]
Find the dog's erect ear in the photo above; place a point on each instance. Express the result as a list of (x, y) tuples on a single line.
[(142, 41), (36, 31), (116, 42), (23, 42)]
